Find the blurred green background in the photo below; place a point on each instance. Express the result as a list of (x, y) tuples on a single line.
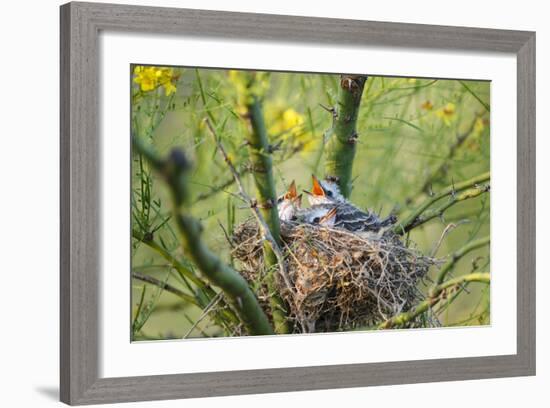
[(415, 136)]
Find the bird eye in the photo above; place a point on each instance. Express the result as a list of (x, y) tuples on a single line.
[(280, 200), (316, 220), (329, 193)]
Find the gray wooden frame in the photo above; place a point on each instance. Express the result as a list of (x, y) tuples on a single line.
[(80, 234)]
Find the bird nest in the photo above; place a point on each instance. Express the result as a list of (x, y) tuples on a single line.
[(337, 280)]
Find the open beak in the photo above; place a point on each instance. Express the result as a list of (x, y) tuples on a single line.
[(328, 216), (291, 194), (297, 200), (317, 190), (292, 191)]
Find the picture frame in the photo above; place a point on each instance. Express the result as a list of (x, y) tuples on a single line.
[(81, 23)]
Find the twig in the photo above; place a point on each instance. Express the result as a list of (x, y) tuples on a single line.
[(440, 286), (456, 256), (266, 233), (226, 235), (216, 189), (439, 293), (405, 226), (438, 212), (440, 171), (165, 286), (205, 312), (484, 104), (447, 229), (174, 170), (185, 273)]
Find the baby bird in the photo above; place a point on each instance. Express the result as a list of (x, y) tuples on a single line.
[(322, 215), (324, 192), (289, 204), (327, 194)]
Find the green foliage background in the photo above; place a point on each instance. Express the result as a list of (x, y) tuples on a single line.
[(408, 132)]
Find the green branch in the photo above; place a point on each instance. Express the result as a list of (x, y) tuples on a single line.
[(342, 137), (205, 293), (438, 212), (483, 103), (440, 287), (456, 256), (184, 272), (260, 153), (262, 166), (174, 170), (413, 218), (439, 292), (443, 168), (167, 287)]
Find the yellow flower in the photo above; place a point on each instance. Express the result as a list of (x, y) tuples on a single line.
[(169, 88), (474, 142), (151, 78), (427, 105), (284, 122), (145, 77), (289, 125), (447, 113), (479, 125), (291, 119)]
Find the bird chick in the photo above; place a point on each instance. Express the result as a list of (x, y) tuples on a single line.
[(324, 192), (289, 203), (348, 216), (322, 215)]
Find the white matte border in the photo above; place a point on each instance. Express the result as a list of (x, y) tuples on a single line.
[(119, 357)]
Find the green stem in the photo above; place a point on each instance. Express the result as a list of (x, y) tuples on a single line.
[(438, 212), (483, 103), (442, 170), (262, 170), (165, 286), (174, 170), (456, 256), (342, 137), (262, 166), (434, 298), (405, 225), (184, 272), (231, 282)]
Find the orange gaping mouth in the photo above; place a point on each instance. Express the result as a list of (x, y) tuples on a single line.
[(317, 190), (291, 193)]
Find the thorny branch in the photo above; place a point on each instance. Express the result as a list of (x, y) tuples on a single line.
[(413, 220), (174, 170), (342, 136), (438, 212), (439, 292), (266, 233), (442, 169)]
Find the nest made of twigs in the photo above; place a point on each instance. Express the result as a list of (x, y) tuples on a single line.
[(339, 280)]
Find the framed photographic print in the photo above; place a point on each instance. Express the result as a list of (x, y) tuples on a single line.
[(260, 203)]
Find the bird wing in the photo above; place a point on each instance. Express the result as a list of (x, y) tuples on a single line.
[(352, 218)]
